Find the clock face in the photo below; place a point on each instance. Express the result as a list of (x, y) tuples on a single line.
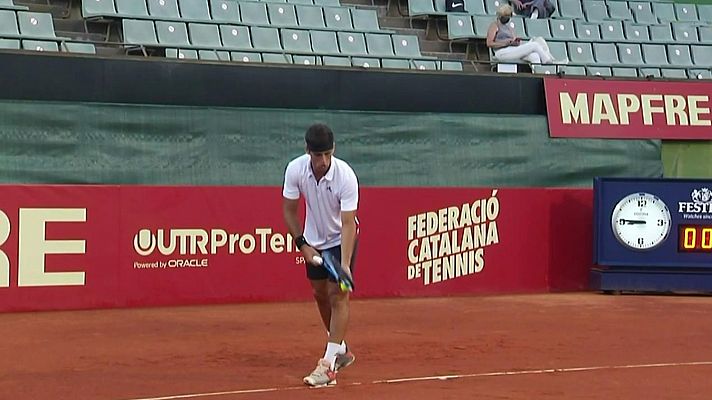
[(641, 221)]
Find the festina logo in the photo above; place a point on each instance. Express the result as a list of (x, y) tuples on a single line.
[(701, 202)]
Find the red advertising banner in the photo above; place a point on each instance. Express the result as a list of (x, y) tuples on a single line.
[(590, 108), (71, 247)]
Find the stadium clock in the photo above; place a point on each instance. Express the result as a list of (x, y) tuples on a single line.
[(655, 231), (641, 221)]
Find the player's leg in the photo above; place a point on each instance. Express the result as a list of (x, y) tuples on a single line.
[(323, 374)]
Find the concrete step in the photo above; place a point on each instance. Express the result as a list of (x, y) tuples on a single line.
[(434, 45)]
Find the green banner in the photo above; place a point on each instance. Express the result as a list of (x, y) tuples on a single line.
[(45, 142)]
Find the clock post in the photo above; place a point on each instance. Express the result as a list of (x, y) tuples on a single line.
[(652, 235)]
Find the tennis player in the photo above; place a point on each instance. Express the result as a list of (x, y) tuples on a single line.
[(330, 189)]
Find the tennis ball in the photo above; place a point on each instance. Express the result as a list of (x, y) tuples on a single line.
[(343, 287)]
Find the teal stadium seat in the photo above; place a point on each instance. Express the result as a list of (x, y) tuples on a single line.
[(225, 11), (630, 54), (182, 54), (562, 29), (213, 55), (406, 46), (619, 10), (571, 9), (450, 65), (649, 72), (704, 13), (324, 42), (379, 45), (580, 53), (36, 25), (310, 17), (595, 10), (8, 24), (365, 20), (587, 31), (336, 61), (459, 26), (481, 24), (366, 62), (131, 8), (194, 10), (418, 8), (327, 3), (265, 39), (253, 13), (572, 70), (245, 57), (684, 32), (686, 13), (172, 34), (282, 14), (475, 7), (338, 18), (537, 28), (635, 32), (40, 45), (352, 43), (699, 74), (79, 48), (491, 6), (705, 34), (163, 9), (673, 73), (612, 31), (94, 8), (598, 71), (397, 63), (424, 65), (204, 35), (605, 53), (643, 13), (654, 54), (558, 50), (9, 44), (236, 37), (661, 33), (273, 58), (296, 41), (702, 55), (624, 72), (305, 60), (301, 2), (664, 12), (139, 32), (9, 5), (544, 69)]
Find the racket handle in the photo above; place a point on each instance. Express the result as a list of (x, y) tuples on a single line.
[(318, 260)]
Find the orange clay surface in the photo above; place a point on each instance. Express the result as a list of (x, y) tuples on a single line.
[(496, 347)]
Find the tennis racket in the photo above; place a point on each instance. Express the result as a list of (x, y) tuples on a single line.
[(333, 267)]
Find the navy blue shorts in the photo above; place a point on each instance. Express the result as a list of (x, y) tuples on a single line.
[(317, 272)]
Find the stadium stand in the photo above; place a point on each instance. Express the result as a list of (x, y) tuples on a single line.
[(646, 38)]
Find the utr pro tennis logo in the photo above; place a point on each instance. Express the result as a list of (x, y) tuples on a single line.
[(192, 244), (450, 242)]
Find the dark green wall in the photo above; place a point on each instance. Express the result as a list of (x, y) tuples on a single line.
[(53, 142)]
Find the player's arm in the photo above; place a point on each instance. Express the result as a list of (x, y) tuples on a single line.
[(348, 238), (290, 211)]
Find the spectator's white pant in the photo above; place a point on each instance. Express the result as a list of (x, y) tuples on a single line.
[(535, 51)]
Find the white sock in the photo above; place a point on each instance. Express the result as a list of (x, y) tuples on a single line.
[(342, 347), (332, 349)]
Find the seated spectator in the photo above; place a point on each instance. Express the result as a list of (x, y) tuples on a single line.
[(508, 47), (534, 8)]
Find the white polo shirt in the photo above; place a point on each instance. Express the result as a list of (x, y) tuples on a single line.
[(337, 191)]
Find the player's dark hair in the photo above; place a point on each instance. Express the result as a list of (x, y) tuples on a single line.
[(319, 137)]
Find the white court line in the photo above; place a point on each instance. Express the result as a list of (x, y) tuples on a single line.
[(439, 378)]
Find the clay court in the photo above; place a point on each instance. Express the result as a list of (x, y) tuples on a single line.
[(546, 346)]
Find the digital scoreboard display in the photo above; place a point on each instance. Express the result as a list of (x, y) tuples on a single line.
[(694, 238)]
